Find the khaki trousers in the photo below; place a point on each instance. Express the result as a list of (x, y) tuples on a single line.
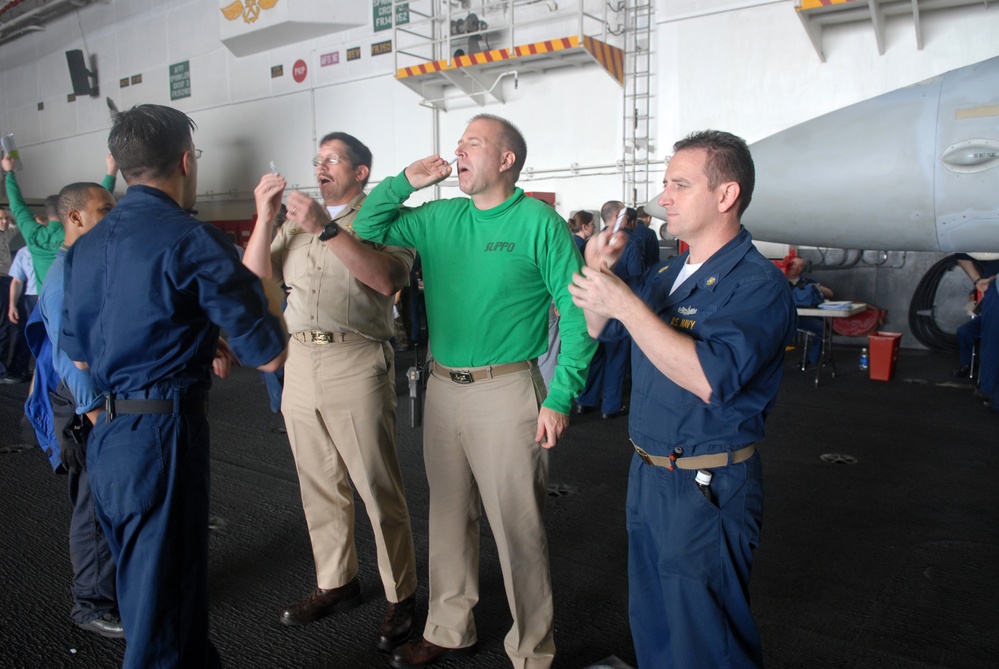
[(480, 453), (339, 408)]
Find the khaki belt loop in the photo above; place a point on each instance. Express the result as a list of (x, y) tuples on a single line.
[(712, 461), (466, 376)]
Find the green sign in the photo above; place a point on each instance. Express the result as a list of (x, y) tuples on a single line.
[(383, 14), (180, 80)]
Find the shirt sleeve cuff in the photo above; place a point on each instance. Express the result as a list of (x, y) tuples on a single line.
[(558, 400)]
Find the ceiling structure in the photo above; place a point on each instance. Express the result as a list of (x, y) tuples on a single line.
[(21, 17), (816, 14)]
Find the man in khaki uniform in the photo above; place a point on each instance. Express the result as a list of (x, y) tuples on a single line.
[(339, 394)]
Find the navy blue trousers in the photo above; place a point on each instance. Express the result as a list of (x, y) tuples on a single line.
[(94, 589), (93, 586), (20, 357), (688, 566), (605, 380), (150, 478), (988, 350), (274, 381)]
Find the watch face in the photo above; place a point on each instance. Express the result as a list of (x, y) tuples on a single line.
[(329, 231)]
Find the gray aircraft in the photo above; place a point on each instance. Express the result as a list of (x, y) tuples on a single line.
[(916, 169)]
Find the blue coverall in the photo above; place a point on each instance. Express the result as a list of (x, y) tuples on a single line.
[(689, 560), (988, 348), (146, 292)]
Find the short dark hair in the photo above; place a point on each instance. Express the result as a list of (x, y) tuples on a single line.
[(52, 207), (610, 209), (511, 139), (729, 159), (357, 152), (147, 141), (74, 197)]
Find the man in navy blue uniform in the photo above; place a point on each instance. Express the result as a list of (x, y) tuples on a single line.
[(982, 274), (709, 330), (647, 239), (984, 328), (71, 407), (605, 380), (988, 370), (146, 292)]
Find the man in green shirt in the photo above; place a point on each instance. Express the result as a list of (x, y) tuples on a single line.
[(491, 266), (42, 238)]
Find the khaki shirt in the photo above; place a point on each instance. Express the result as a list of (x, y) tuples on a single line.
[(324, 294)]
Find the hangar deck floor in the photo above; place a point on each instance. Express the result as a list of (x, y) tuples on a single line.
[(887, 562)]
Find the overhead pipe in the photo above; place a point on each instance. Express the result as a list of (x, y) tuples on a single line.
[(45, 12)]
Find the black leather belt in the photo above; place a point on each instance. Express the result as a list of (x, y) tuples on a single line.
[(114, 407)]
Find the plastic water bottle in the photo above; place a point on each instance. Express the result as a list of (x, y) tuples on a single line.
[(864, 361), (703, 481), (10, 148)]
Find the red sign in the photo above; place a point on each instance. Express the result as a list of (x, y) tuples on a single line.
[(299, 70)]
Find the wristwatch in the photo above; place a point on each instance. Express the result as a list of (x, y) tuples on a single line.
[(330, 231)]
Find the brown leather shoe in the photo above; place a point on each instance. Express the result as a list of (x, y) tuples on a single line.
[(396, 624), (421, 653), (321, 603)]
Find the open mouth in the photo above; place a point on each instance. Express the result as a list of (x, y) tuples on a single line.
[(325, 179)]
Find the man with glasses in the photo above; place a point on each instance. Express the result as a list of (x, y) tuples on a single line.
[(146, 291), (339, 394)]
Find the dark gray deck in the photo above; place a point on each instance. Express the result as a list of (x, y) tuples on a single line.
[(888, 562)]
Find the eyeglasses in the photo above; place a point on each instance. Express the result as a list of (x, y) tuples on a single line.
[(330, 159), (197, 153)]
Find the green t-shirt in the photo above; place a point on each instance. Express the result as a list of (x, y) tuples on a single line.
[(489, 277), (43, 241)]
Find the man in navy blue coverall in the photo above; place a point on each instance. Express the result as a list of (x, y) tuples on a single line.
[(146, 292), (709, 330), (605, 380)]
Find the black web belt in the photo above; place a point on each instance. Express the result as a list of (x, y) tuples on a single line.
[(115, 407)]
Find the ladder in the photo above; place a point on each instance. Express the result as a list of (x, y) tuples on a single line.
[(639, 144)]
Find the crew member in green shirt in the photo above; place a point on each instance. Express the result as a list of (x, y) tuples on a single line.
[(42, 238), (492, 264)]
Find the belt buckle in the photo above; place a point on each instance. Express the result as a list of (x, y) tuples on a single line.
[(321, 337), (463, 378), (643, 455)]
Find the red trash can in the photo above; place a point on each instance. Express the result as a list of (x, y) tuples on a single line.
[(883, 349)]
